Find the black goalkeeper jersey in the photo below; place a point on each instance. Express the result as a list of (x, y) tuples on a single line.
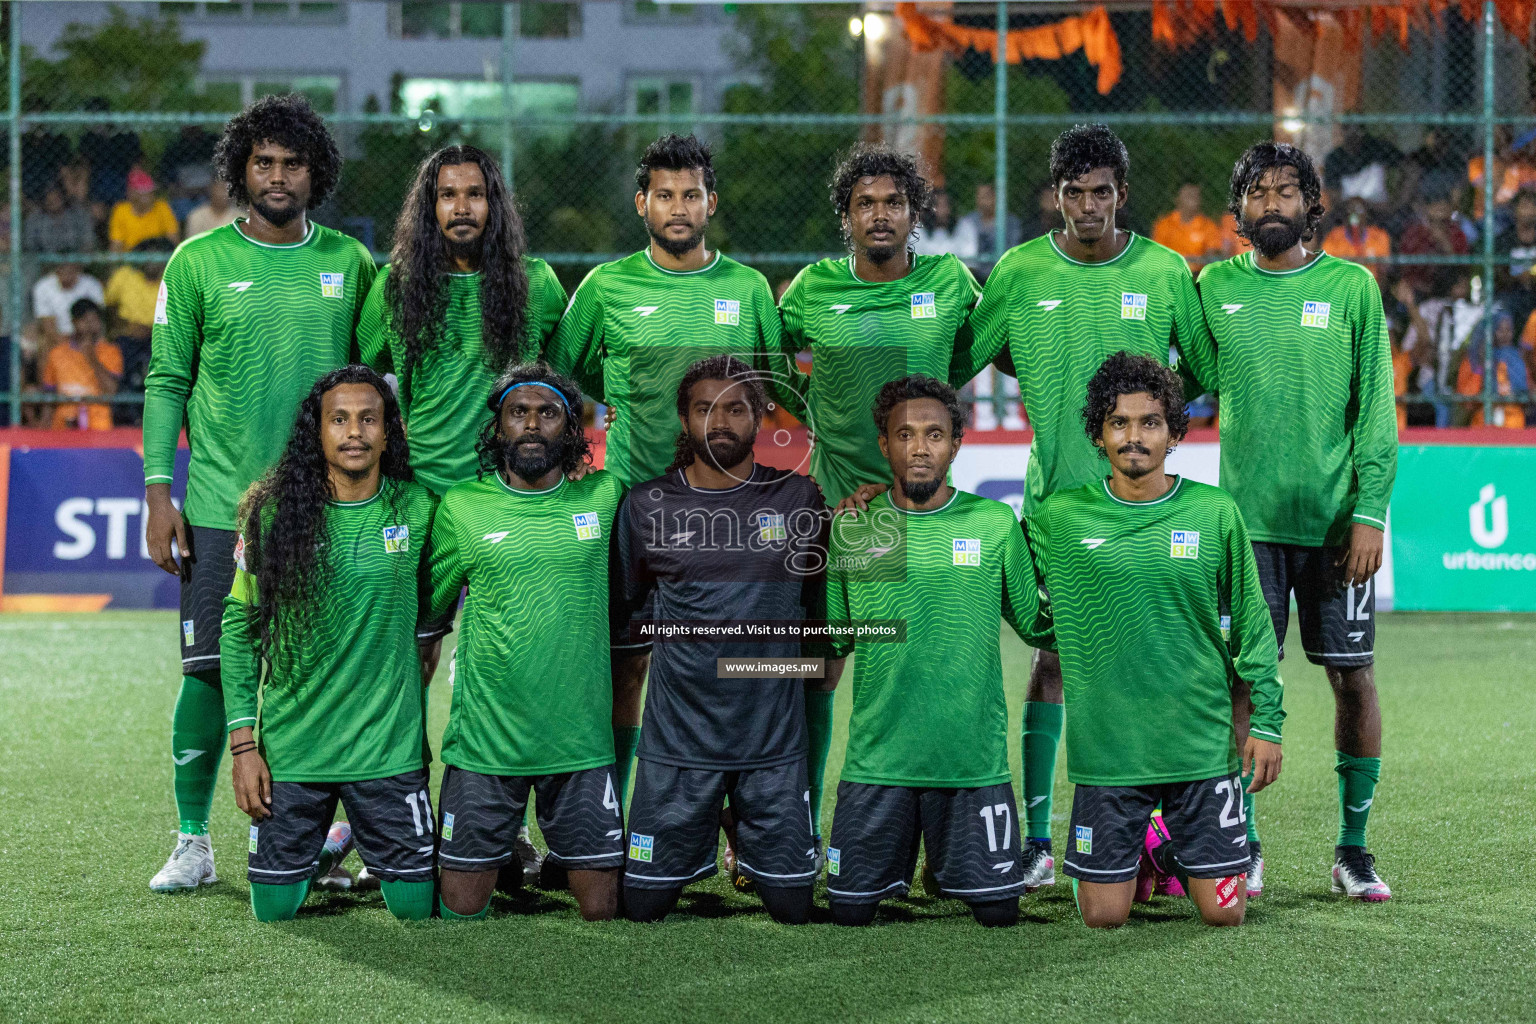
[(718, 562)]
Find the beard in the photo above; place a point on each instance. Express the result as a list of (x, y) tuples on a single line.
[(919, 491), (461, 250), (531, 457), (880, 254), (1136, 472), (678, 247), (277, 217), (722, 450), (1273, 235)]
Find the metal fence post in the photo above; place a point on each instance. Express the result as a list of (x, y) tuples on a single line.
[(1488, 190), (509, 29), (1000, 173), (16, 318)]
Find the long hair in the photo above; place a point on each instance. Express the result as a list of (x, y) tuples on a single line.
[(286, 546), (489, 446), (416, 291), (721, 367)]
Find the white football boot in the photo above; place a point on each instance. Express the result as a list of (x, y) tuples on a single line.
[(190, 865)]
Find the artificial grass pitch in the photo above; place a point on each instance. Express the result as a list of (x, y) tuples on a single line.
[(86, 816)]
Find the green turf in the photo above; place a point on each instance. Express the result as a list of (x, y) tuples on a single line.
[(86, 817)]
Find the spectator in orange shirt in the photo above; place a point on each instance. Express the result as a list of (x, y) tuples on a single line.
[(1187, 230), (1358, 239), (85, 365), (1510, 378), (142, 215)]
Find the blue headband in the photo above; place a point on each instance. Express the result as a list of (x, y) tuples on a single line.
[(530, 383)]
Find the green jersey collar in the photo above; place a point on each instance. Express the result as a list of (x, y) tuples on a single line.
[(1177, 482), (529, 494), (1079, 263), (953, 494), (358, 504), (309, 236), (847, 261), (1314, 261), (714, 261)]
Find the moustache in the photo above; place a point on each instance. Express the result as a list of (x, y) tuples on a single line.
[(462, 223), (1132, 449)]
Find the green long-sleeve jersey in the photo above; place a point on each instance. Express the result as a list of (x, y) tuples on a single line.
[(863, 334), (631, 331), (532, 688), (930, 710), (1059, 319), (1304, 374), (342, 700), (1156, 608), (443, 397), (242, 331)]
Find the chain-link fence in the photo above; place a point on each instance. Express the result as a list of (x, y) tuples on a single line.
[(1415, 113)]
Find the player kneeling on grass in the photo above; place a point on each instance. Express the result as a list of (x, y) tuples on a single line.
[(720, 538), (329, 566), (1157, 611), (533, 694), (927, 754)]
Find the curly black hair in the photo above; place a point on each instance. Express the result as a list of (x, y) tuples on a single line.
[(1087, 147), (1265, 156), (416, 290), (674, 152), (289, 121), (1127, 374), (867, 161), (904, 389), (282, 516), (721, 367), (488, 446)]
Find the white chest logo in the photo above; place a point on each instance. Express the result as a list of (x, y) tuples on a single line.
[(587, 527), (1315, 314), (727, 311), (841, 307), (331, 285), (497, 537), (240, 286), (967, 552), (1231, 307), (1092, 543), (646, 310), (1048, 304)]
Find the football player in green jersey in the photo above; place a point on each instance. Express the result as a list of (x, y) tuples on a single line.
[(927, 751), (329, 571), (1157, 612), (634, 326), (1309, 453), (249, 316), (878, 314), (532, 698)]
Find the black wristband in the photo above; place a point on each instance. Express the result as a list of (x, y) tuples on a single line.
[(244, 748)]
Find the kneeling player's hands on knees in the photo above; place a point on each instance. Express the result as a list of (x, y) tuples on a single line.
[(1262, 758), (1363, 556), (252, 780), (859, 500)]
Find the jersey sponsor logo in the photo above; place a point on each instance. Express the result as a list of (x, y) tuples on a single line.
[(1184, 544), (397, 539), (1315, 314), (771, 527), (188, 632), (834, 861), (1231, 307), (1092, 543), (923, 306), (1083, 835), (1225, 625), (967, 552), (160, 317), (1048, 304), (241, 286), (240, 553), (497, 536), (646, 310), (447, 827), (841, 307), (187, 756), (641, 847), (1133, 306), (255, 832), (331, 285), (587, 527), (727, 311)]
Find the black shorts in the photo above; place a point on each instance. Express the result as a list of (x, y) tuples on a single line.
[(1205, 820), (1338, 622), (578, 813), (971, 836), (674, 824), (391, 823), (206, 580)]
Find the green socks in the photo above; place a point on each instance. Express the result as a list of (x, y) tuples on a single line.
[(197, 742), (1253, 823), (625, 739), (448, 915), (277, 902), (818, 731), (1357, 788), (409, 901), (1042, 733)]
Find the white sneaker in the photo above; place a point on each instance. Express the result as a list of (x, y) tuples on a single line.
[(1039, 866), (1354, 875), (190, 865), (528, 855), (1255, 883)]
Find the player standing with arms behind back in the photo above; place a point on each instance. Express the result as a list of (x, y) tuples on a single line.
[(250, 315), (635, 325), (1309, 453)]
